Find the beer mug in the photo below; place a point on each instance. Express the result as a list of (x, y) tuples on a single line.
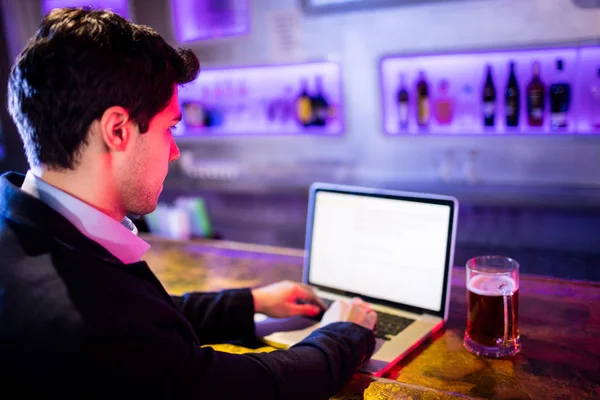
[(492, 307)]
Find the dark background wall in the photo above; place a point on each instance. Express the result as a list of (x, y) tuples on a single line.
[(14, 159)]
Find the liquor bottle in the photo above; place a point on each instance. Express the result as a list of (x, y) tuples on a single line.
[(281, 108), (512, 99), (536, 98), (594, 111), (489, 99), (194, 115), (227, 105), (208, 104), (319, 104), (287, 104), (242, 100), (443, 104), (560, 99), (402, 104), (272, 110), (217, 117), (423, 108), (467, 111), (304, 113)]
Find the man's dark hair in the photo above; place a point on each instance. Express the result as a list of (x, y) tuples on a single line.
[(79, 63)]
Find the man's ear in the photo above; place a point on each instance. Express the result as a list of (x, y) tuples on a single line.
[(115, 128)]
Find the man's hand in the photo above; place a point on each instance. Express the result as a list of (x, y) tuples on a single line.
[(356, 311), (286, 299)]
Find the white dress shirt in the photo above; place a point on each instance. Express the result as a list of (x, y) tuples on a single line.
[(120, 239)]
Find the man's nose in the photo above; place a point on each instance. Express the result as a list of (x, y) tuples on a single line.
[(174, 153)]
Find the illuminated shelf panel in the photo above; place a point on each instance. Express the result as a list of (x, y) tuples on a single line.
[(297, 99), (209, 19), (455, 83)]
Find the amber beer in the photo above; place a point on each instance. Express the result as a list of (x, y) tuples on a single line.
[(485, 306), (492, 307)]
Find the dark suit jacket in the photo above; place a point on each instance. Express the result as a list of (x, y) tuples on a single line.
[(76, 322)]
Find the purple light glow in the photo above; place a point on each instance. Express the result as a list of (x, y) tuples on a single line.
[(272, 258), (209, 19), (247, 96), (466, 74), (120, 7), (587, 95)]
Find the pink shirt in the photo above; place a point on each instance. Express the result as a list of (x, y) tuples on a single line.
[(120, 239)]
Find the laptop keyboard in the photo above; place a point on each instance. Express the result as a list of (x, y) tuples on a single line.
[(388, 325)]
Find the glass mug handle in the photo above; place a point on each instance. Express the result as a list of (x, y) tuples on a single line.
[(509, 319)]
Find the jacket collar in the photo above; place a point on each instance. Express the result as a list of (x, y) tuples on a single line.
[(25, 210)]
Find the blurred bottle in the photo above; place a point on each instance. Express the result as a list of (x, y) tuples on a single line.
[(489, 99), (512, 99), (179, 224), (423, 107), (273, 109), (443, 104), (304, 113), (594, 111), (208, 106), (560, 99), (467, 109), (536, 98), (319, 104), (281, 109), (199, 219), (287, 112), (216, 113), (402, 104), (228, 107), (242, 102), (194, 115)]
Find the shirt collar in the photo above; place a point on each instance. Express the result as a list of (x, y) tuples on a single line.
[(120, 239)]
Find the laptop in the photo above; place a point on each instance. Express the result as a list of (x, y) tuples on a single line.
[(393, 249)]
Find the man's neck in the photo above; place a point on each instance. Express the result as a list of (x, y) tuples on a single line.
[(87, 186)]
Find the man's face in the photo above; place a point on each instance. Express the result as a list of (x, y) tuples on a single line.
[(148, 161)]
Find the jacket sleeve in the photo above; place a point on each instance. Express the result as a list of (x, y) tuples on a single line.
[(167, 366), (218, 317)]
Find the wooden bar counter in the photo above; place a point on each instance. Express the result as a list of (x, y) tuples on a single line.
[(559, 322)]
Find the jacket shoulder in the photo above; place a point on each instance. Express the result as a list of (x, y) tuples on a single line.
[(32, 293)]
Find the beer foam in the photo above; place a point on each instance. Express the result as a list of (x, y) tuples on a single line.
[(485, 285)]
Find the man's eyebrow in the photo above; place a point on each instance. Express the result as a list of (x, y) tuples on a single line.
[(177, 118)]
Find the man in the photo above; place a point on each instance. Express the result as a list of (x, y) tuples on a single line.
[(94, 98)]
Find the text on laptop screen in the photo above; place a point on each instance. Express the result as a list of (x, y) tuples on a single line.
[(389, 249)]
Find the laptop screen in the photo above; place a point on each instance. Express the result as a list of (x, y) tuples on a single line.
[(382, 247)]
